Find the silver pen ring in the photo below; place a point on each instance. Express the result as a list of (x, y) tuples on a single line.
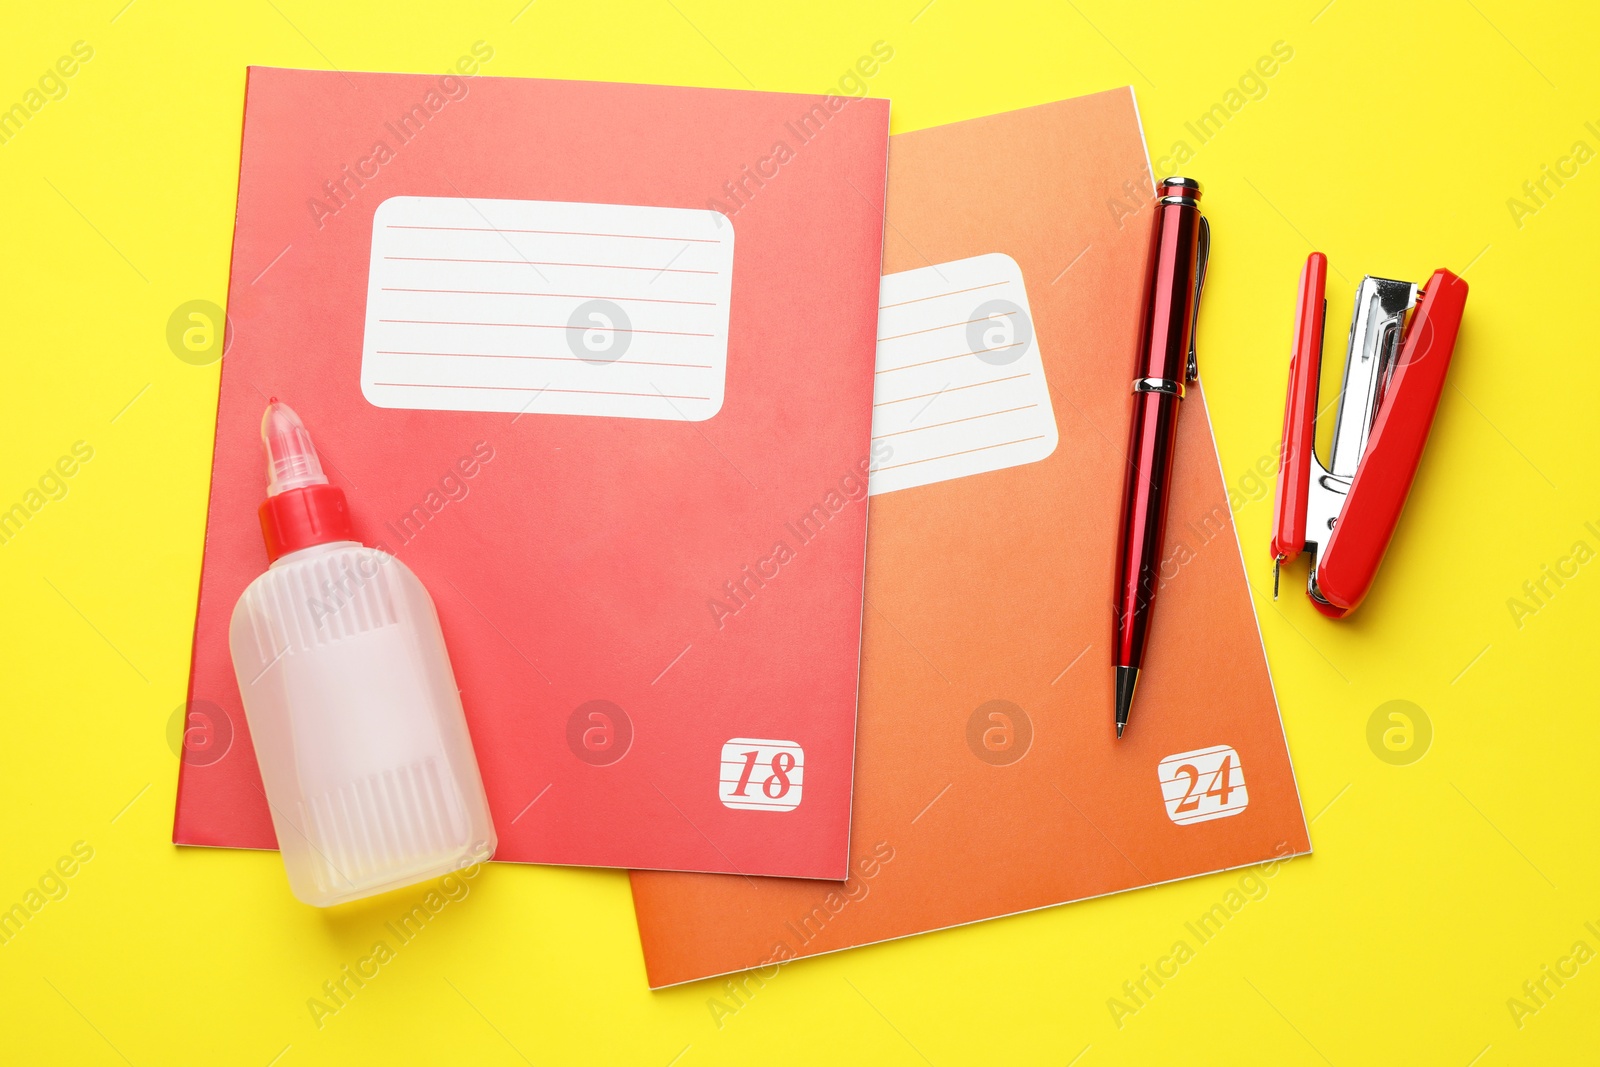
[(1159, 385)]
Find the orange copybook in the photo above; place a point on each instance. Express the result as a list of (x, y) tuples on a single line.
[(989, 780)]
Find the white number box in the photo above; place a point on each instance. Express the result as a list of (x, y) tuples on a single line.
[(1205, 784), (758, 774), (548, 307)]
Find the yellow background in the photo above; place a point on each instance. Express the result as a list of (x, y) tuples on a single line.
[(1392, 141)]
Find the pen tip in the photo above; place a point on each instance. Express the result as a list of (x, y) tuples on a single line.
[(1127, 682)]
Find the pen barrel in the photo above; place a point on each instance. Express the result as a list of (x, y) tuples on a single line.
[(1161, 371), (1144, 522)]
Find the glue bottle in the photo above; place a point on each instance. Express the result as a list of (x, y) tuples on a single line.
[(353, 708)]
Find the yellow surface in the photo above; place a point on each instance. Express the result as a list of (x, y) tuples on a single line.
[(1392, 140)]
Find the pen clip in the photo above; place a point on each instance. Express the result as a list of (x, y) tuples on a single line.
[(1204, 241)]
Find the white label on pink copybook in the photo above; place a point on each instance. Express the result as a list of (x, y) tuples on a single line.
[(761, 774), (544, 307)]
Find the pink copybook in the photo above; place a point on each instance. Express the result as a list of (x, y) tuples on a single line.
[(596, 362)]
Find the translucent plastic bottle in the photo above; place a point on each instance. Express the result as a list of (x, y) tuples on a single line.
[(353, 707)]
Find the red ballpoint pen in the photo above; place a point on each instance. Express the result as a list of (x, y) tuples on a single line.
[(1166, 362)]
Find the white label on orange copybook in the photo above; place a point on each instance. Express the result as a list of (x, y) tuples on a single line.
[(544, 307), (1205, 784), (758, 774), (960, 387)]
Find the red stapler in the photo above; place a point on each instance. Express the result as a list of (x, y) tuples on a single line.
[(1345, 513)]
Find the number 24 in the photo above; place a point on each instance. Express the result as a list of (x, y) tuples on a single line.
[(1219, 787)]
